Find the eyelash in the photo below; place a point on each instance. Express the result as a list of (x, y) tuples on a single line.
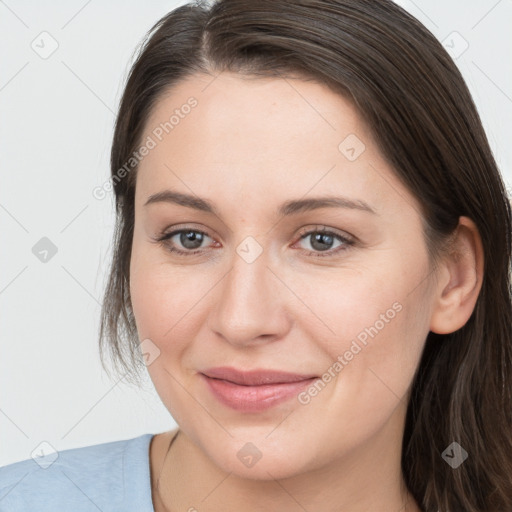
[(348, 242)]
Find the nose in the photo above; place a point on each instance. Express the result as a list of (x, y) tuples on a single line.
[(250, 306)]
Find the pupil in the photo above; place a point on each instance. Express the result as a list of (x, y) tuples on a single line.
[(319, 237), (191, 236)]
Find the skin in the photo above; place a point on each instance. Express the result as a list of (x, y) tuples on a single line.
[(248, 146)]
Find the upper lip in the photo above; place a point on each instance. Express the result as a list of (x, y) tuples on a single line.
[(255, 377)]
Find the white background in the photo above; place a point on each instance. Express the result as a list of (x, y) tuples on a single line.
[(56, 122)]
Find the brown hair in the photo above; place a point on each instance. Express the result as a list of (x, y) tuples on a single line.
[(414, 99)]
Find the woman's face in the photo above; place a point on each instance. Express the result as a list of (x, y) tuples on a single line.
[(265, 289)]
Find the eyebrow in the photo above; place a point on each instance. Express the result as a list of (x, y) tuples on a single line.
[(291, 207)]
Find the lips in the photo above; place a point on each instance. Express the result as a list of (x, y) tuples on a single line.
[(257, 377), (254, 391)]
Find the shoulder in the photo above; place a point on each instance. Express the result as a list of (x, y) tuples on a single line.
[(103, 477)]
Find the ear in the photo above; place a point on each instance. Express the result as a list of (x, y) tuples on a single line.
[(460, 279)]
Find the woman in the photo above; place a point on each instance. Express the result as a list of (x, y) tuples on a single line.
[(312, 259)]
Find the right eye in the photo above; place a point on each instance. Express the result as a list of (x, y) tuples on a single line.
[(189, 238)]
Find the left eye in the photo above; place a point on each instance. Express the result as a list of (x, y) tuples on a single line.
[(320, 239), (323, 237)]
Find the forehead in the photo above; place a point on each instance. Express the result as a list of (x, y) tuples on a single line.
[(251, 109), (264, 136)]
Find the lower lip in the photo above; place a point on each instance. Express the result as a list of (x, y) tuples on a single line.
[(254, 398)]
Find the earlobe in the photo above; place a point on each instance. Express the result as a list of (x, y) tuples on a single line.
[(461, 279)]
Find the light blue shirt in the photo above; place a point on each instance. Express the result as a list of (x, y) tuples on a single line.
[(107, 477)]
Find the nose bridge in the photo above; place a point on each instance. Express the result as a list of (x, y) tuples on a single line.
[(248, 305)]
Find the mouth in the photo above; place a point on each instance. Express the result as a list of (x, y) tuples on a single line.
[(255, 390)]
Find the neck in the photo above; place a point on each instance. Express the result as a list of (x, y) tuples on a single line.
[(368, 479)]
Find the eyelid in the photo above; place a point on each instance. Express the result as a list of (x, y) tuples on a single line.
[(182, 227), (303, 231), (324, 229)]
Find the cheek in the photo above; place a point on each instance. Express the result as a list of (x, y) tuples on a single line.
[(159, 292), (380, 336), (166, 306), (371, 324), (163, 301), (170, 303)]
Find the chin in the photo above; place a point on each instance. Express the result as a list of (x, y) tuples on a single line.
[(260, 458)]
